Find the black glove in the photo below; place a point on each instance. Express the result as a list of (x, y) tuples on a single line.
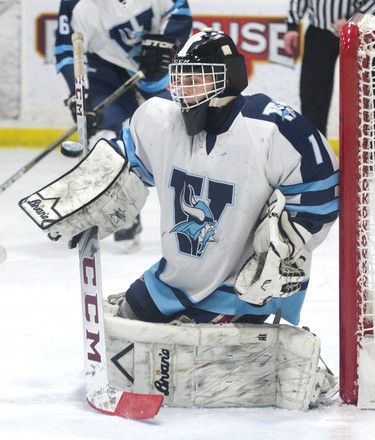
[(93, 119), (157, 53)]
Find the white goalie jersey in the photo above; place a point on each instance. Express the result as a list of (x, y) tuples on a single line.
[(212, 188)]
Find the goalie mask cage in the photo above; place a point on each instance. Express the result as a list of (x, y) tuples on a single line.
[(357, 211)]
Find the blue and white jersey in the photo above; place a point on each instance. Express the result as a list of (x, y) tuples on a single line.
[(113, 29), (212, 189)]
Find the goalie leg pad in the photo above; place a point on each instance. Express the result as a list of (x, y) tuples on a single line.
[(100, 191), (208, 365)]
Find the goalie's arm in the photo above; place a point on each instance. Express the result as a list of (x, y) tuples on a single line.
[(310, 182), (130, 147), (296, 218)]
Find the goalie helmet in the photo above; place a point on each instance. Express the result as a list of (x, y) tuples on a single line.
[(207, 66)]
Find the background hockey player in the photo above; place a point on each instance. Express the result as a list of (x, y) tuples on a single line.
[(121, 36)]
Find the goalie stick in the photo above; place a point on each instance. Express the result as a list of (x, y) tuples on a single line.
[(100, 395), (105, 103)]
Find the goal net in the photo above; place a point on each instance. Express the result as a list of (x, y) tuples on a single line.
[(357, 211)]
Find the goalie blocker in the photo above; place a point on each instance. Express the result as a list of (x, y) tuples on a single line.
[(213, 365), (101, 190)]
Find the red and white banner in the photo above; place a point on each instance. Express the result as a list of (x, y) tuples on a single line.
[(256, 26)]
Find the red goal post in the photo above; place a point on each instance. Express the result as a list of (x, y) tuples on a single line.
[(357, 211)]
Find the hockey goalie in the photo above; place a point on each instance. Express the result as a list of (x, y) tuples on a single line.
[(247, 188)]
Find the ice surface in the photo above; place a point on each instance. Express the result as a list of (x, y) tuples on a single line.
[(41, 381)]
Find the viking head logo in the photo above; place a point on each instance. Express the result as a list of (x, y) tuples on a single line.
[(199, 226)]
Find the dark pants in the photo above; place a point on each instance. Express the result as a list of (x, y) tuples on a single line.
[(143, 306), (317, 75)]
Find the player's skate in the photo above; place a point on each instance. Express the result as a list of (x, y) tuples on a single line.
[(129, 239)]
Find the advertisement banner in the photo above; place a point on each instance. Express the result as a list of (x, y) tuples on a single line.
[(257, 27)]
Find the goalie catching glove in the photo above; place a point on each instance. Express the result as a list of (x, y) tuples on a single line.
[(274, 270), (99, 191)]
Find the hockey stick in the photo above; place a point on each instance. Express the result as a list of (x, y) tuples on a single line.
[(105, 103), (99, 393)]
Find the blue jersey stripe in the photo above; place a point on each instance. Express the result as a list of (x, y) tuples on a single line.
[(183, 11), (134, 160), (154, 86), (324, 209), (225, 303), (177, 8), (63, 48), (179, 21), (171, 301), (65, 62), (165, 297), (319, 185)]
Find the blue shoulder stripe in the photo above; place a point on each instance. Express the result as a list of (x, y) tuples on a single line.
[(183, 11), (135, 161), (177, 9)]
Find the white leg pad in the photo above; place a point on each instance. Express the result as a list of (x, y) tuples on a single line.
[(210, 365)]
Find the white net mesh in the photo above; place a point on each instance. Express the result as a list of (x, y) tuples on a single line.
[(366, 181), (366, 213)]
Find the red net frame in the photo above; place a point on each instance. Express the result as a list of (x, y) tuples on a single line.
[(357, 211)]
